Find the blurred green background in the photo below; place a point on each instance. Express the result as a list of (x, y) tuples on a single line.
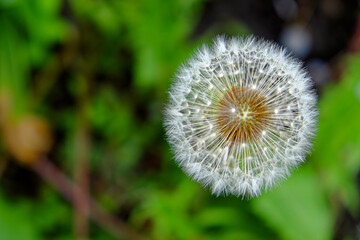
[(83, 85)]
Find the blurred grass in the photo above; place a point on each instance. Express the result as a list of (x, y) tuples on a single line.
[(122, 55)]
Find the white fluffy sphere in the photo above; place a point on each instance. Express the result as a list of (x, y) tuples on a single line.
[(241, 114)]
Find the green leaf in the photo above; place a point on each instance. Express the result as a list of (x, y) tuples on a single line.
[(16, 222), (337, 147), (298, 208)]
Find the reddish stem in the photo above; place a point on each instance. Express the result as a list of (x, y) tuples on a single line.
[(51, 174)]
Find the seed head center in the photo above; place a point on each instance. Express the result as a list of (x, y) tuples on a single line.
[(242, 115), (245, 115)]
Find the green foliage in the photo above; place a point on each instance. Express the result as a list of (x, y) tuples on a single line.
[(28, 29), (298, 208), (337, 148), (37, 23), (15, 222), (22, 220), (157, 31), (113, 119), (188, 213)]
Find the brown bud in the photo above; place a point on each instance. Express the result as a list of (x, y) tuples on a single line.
[(28, 138)]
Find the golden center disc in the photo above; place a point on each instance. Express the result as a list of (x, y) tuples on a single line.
[(242, 115)]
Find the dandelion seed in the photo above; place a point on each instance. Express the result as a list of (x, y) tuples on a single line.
[(251, 111)]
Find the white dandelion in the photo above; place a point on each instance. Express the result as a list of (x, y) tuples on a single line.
[(241, 115)]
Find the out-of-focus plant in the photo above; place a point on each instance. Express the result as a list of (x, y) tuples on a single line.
[(337, 150)]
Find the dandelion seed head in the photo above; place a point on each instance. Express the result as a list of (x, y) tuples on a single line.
[(241, 115)]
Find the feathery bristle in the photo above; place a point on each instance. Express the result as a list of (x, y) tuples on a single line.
[(241, 115)]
